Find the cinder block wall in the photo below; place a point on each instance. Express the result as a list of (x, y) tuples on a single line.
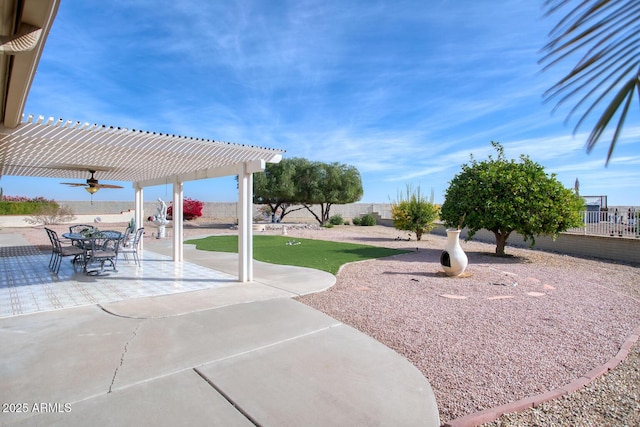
[(221, 211), (348, 212), (227, 211)]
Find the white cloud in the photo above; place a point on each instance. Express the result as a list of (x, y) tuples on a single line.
[(403, 90)]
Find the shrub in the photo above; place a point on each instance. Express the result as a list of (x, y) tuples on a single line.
[(336, 220), (50, 213), (357, 221), (192, 209), (414, 212), (16, 205), (368, 220)]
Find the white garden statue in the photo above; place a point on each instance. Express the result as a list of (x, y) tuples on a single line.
[(160, 219)]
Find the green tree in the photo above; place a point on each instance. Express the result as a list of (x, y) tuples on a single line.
[(276, 186), (606, 36), (326, 184), (505, 196), (298, 181), (414, 212)]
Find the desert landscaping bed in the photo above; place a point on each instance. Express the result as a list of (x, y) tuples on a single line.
[(515, 327)]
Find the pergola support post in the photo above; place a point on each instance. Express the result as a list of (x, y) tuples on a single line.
[(139, 210), (245, 218), (178, 215), (245, 226)]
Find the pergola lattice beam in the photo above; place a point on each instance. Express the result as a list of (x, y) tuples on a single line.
[(67, 149)]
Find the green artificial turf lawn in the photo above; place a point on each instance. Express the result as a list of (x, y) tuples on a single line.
[(318, 254)]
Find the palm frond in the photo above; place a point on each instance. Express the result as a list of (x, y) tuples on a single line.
[(605, 37), (625, 93), (628, 85)]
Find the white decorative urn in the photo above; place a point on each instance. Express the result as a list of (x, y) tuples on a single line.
[(453, 259)]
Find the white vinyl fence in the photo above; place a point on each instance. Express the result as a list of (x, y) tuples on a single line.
[(608, 223)]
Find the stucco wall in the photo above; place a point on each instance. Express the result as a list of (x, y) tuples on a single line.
[(224, 211), (611, 248)]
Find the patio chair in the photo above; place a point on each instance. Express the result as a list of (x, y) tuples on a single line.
[(131, 247), (103, 250), (126, 237), (59, 251)]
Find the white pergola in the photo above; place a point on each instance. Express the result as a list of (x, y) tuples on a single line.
[(65, 149), (68, 150)]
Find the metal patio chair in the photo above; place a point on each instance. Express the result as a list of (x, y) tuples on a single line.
[(104, 249), (132, 247), (59, 251)]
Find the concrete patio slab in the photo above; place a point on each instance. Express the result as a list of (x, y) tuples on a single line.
[(317, 380), (189, 302), (59, 356), (173, 344), (182, 399), (277, 362)]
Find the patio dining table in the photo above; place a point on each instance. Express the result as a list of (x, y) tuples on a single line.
[(86, 241), (80, 237)]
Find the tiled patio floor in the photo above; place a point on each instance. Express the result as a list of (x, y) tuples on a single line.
[(27, 285)]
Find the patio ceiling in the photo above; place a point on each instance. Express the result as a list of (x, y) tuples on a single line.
[(67, 149)]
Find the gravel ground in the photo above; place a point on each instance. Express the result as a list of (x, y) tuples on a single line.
[(611, 400), (528, 323), (515, 327)]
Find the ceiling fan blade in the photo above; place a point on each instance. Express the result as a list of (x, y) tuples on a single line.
[(106, 186), (74, 184), (92, 182)]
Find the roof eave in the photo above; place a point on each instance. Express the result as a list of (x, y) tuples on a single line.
[(22, 67)]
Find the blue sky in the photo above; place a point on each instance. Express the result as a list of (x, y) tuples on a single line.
[(405, 90)]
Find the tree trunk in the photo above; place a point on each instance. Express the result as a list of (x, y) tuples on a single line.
[(323, 219), (501, 241), (314, 214), (285, 209), (325, 212)]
